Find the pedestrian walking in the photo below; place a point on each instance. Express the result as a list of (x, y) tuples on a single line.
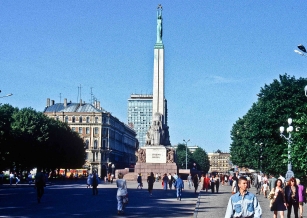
[(234, 187), (225, 180), (272, 181), (89, 180), (301, 196), (1, 177), (282, 179), (165, 181), (122, 193), (39, 184), (257, 182), (175, 176), (230, 180), (265, 188), (217, 183), (150, 181), (195, 182), (243, 203), (206, 183), (94, 183), (179, 185), (11, 178), (277, 197), (212, 183), (139, 180), (29, 178), (170, 180), (291, 196), (17, 180), (190, 180)]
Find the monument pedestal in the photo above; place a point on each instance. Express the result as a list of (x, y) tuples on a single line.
[(158, 160), (147, 168)]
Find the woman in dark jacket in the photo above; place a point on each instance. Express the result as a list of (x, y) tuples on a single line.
[(291, 195)]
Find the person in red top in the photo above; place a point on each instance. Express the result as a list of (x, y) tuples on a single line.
[(206, 183)]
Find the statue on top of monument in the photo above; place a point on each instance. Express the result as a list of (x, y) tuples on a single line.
[(159, 24)]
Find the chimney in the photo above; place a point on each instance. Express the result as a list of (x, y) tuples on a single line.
[(95, 104), (48, 102), (65, 102), (80, 102), (52, 102), (98, 104)]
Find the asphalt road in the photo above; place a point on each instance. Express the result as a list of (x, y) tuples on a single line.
[(75, 200)]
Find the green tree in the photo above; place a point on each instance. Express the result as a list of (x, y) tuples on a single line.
[(200, 157), (181, 157), (277, 101), (30, 139), (6, 113)]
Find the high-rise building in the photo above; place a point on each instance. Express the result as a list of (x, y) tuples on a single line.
[(140, 115)]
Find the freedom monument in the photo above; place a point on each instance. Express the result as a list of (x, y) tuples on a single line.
[(157, 155)]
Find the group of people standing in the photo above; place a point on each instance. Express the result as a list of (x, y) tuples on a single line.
[(212, 182), (287, 196)]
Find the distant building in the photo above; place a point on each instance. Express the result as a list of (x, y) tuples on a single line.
[(109, 142), (219, 162), (140, 115), (191, 148)]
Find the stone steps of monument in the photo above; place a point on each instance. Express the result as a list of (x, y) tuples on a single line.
[(130, 176)]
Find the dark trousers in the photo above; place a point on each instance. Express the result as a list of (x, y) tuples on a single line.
[(95, 190), (217, 186), (295, 209), (212, 187), (40, 191), (170, 184)]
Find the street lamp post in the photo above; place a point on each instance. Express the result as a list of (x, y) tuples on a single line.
[(186, 153), (8, 95), (290, 173), (260, 155), (302, 50)]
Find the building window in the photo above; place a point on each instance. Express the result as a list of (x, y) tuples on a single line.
[(87, 130), (96, 119), (66, 119), (87, 119), (80, 130), (80, 119), (104, 145), (95, 144), (73, 119), (73, 129), (96, 130), (86, 144)]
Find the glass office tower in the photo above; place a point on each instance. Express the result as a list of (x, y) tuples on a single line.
[(140, 115)]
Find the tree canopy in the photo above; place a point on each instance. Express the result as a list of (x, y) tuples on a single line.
[(199, 157), (256, 141), (30, 139)]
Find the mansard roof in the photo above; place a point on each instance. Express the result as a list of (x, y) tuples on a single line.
[(72, 107)]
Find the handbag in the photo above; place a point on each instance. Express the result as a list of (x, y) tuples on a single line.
[(125, 199)]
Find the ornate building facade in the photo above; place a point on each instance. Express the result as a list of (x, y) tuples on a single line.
[(219, 162), (110, 144)]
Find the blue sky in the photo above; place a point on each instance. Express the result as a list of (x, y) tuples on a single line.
[(218, 54)]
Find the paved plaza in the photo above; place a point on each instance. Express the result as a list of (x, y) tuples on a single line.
[(73, 199)]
